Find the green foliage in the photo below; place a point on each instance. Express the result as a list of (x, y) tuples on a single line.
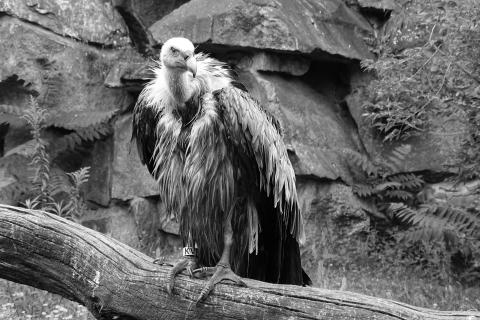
[(430, 234), (74, 139), (381, 182), (436, 222), (46, 186), (428, 68), (35, 117)]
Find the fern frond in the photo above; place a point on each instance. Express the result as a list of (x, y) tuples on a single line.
[(438, 218), (79, 177), (462, 220), (75, 139), (397, 158), (392, 185), (80, 120), (58, 208), (362, 162), (34, 203), (363, 190), (407, 180), (10, 109), (399, 195), (58, 183)]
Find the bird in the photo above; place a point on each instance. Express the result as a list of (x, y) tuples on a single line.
[(222, 169)]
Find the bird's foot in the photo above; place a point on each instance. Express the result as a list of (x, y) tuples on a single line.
[(188, 263), (162, 261), (219, 272)]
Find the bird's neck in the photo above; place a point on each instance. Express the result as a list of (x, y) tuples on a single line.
[(180, 84)]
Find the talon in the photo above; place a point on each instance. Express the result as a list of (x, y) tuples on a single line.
[(187, 264), (204, 271), (221, 272), (162, 262)]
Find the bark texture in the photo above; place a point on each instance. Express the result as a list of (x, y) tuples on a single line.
[(117, 282)]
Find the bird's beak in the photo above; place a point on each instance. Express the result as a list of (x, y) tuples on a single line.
[(192, 65)]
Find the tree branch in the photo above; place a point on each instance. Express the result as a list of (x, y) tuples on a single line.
[(115, 281)]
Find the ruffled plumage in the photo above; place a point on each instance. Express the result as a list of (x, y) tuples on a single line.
[(222, 154)]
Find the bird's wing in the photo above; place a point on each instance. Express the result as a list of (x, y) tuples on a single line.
[(145, 118), (257, 134)]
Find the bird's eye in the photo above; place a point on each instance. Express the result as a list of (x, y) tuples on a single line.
[(174, 51)]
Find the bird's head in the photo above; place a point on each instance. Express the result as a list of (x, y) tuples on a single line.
[(177, 55)]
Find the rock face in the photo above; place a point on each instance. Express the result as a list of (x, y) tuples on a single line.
[(40, 59), (130, 177), (85, 20), (314, 129), (335, 222), (308, 26)]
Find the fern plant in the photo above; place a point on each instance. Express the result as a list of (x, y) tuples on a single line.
[(434, 221), (382, 183), (432, 233)]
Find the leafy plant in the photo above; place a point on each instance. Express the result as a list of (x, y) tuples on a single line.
[(35, 117), (428, 68), (47, 186), (382, 183), (430, 233)]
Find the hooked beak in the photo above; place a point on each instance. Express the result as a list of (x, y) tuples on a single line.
[(192, 65)]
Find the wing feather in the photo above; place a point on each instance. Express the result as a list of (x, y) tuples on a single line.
[(257, 134), (145, 120)]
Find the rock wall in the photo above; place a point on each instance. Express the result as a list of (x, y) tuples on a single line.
[(299, 58)]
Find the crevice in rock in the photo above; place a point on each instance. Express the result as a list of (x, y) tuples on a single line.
[(139, 34)]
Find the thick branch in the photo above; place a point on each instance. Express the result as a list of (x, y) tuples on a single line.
[(117, 282)]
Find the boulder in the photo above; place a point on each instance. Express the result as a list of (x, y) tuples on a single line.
[(86, 20), (309, 27), (315, 131), (116, 221), (130, 177), (8, 187), (67, 74), (157, 230), (98, 189), (336, 222)]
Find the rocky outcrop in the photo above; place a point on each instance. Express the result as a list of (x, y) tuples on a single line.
[(130, 177), (309, 27), (336, 222), (88, 21), (314, 129), (39, 59)]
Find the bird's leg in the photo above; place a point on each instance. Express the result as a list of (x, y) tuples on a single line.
[(188, 262), (222, 270)]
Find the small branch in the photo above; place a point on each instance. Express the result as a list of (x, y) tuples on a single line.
[(115, 281)]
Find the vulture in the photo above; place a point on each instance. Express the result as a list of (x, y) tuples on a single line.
[(222, 169)]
